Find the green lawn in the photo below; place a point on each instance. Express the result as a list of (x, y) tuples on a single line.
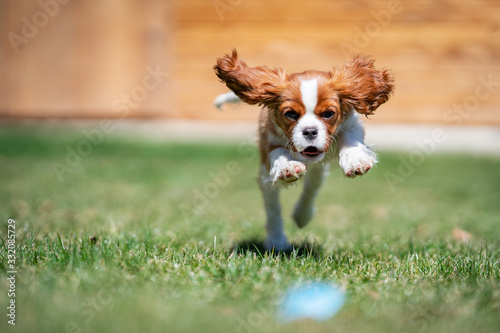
[(138, 237)]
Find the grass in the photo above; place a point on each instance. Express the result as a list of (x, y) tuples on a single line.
[(140, 236)]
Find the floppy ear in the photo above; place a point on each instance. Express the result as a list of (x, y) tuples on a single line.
[(254, 85), (362, 86)]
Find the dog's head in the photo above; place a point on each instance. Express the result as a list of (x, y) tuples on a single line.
[(308, 107)]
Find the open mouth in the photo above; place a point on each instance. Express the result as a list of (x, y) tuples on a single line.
[(311, 151)]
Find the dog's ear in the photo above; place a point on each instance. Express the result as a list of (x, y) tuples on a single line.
[(362, 86), (254, 85)]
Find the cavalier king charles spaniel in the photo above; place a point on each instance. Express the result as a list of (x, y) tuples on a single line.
[(307, 120)]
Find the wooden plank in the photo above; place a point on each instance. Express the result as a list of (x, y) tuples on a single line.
[(336, 11), (206, 38), (440, 71), (429, 94), (408, 114), (484, 115)]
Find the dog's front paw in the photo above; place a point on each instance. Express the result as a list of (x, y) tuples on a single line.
[(356, 161), (289, 172)]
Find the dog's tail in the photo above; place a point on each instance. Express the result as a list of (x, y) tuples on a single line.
[(229, 97)]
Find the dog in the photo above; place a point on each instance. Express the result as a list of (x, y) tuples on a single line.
[(307, 120)]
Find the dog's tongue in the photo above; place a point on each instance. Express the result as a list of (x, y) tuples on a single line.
[(311, 151)]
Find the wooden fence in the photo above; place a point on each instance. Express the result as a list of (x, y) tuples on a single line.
[(154, 58)]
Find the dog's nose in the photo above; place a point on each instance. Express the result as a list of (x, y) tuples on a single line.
[(310, 133)]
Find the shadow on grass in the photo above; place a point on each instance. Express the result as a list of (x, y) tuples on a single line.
[(257, 246)]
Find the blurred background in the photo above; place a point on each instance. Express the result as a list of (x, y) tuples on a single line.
[(89, 59)]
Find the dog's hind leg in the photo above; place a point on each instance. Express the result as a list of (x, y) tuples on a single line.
[(304, 208)]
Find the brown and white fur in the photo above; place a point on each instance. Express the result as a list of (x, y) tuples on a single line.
[(307, 120)]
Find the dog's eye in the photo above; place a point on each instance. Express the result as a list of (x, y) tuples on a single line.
[(294, 115), (328, 114)]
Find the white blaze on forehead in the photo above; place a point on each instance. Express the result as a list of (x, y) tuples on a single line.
[(309, 91)]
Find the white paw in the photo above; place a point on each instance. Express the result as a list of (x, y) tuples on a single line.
[(277, 243), (355, 161), (289, 171)]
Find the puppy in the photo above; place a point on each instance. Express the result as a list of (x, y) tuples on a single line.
[(307, 120)]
